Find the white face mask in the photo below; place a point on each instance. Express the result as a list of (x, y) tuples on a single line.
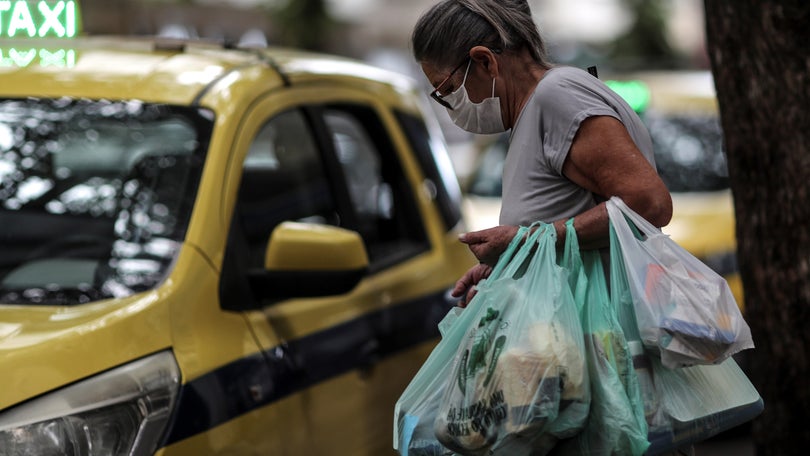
[(483, 118)]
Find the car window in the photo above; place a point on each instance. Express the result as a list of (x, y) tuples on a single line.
[(382, 198), (348, 176), (283, 179), (440, 177)]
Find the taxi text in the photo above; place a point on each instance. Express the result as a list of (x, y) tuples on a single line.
[(25, 18)]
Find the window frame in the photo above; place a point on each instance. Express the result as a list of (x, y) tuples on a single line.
[(378, 134), (234, 292)]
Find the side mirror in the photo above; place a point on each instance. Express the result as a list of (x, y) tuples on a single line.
[(307, 260)]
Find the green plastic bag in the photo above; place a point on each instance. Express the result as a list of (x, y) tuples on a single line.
[(616, 422), (416, 409), (509, 376)]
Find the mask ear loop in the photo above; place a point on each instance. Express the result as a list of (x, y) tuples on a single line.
[(466, 72), (493, 87)]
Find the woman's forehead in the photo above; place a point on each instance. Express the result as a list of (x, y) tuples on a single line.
[(435, 73)]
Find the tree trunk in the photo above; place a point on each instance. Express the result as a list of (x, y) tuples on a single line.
[(761, 65)]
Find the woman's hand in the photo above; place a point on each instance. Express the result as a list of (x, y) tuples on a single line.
[(488, 245), (465, 287)]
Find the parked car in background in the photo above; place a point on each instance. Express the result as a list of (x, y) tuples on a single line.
[(209, 250), (680, 111)]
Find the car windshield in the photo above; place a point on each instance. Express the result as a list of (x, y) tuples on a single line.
[(95, 196), (688, 148)]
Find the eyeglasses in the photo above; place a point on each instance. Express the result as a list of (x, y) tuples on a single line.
[(438, 96)]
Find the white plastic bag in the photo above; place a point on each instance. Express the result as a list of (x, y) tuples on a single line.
[(700, 402), (685, 310)]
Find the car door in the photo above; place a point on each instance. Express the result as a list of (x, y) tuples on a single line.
[(338, 363)]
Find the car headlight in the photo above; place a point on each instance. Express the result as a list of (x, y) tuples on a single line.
[(123, 411)]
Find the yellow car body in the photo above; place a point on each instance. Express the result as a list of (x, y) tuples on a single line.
[(304, 352)]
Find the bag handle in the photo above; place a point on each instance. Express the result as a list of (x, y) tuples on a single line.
[(620, 294), (571, 258), (530, 249), (541, 248), (616, 207), (571, 246), (516, 252)]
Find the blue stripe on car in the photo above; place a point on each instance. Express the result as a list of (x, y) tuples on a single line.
[(261, 379)]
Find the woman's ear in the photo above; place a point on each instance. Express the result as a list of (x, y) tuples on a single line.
[(485, 57)]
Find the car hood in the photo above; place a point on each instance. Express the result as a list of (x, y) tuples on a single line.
[(45, 347)]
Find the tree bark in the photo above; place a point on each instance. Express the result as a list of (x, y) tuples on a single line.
[(761, 65)]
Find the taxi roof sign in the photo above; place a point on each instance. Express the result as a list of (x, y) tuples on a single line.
[(39, 18)]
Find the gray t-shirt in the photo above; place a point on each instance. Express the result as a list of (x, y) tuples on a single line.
[(534, 188)]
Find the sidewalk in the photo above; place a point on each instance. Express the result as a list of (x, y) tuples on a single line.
[(738, 446), (736, 442)]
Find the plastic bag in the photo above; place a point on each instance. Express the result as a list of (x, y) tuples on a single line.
[(683, 308), (416, 410), (519, 381), (510, 370), (686, 405), (622, 304), (700, 402), (616, 422)]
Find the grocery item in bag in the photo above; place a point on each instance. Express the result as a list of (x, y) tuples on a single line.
[(684, 310)]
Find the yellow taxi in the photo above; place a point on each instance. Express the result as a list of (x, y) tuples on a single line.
[(208, 250), (680, 111)]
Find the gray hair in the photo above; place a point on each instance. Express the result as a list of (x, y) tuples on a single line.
[(449, 29)]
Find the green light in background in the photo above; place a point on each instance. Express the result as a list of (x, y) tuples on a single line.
[(635, 93), (21, 58), (27, 18)]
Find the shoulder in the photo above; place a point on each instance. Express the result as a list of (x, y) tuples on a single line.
[(570, 90), (566, 76)]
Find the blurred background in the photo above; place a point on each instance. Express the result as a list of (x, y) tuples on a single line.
[(622, 33), (618, 36)]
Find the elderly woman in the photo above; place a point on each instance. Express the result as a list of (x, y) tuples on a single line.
[(574, 142)]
